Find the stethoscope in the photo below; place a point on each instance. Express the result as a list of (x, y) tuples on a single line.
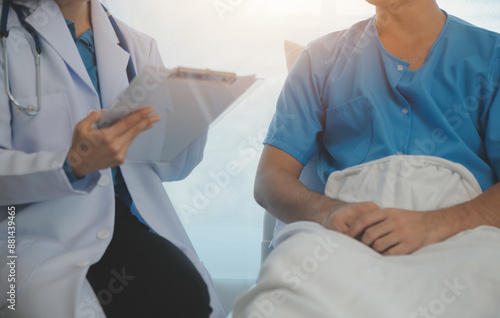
[(37, 50)]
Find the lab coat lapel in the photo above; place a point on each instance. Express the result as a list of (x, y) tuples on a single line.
[(49, 23), (112, 60)]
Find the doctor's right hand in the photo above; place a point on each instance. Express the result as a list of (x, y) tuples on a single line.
[(96, 149)]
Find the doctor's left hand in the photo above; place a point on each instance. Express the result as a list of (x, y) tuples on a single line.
[(93, 150), (399, 232)]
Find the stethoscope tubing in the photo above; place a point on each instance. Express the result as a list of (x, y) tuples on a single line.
[(4, 33)]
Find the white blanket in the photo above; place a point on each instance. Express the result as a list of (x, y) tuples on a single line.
[(316, 273)]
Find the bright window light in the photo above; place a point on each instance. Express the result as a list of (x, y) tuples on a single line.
[(284, 8)]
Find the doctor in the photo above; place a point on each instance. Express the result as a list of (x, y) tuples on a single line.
[(81, 251)]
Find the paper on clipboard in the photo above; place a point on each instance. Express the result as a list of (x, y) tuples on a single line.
[(187, 100)]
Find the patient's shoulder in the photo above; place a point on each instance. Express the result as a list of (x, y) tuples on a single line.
[(340, 44)]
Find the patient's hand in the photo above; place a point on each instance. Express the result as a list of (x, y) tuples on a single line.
[(398, 232), (343, 218)]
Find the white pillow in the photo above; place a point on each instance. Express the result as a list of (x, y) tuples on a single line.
[(292, 52)]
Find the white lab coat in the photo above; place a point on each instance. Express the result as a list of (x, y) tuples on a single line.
[(62, 229)]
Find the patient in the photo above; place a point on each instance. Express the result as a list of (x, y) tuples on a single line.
[(412, 87), (402, 112)]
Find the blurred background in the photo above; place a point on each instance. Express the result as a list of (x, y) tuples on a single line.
[(216, 201)]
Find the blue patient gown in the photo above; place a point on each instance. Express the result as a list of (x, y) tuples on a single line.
[(353, 102)]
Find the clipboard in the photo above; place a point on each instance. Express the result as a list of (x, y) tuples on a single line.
[(188, 101)]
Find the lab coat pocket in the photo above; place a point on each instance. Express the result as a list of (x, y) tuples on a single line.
[(348, 132), (50, 130)]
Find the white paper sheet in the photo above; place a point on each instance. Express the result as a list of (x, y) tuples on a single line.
[(187, 105)]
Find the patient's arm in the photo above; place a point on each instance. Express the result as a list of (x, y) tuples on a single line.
[(389, 231), (279, 191), (396, 232)]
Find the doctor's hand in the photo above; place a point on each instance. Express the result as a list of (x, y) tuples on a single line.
[(399, 232), (342, 218), (93, 149)]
